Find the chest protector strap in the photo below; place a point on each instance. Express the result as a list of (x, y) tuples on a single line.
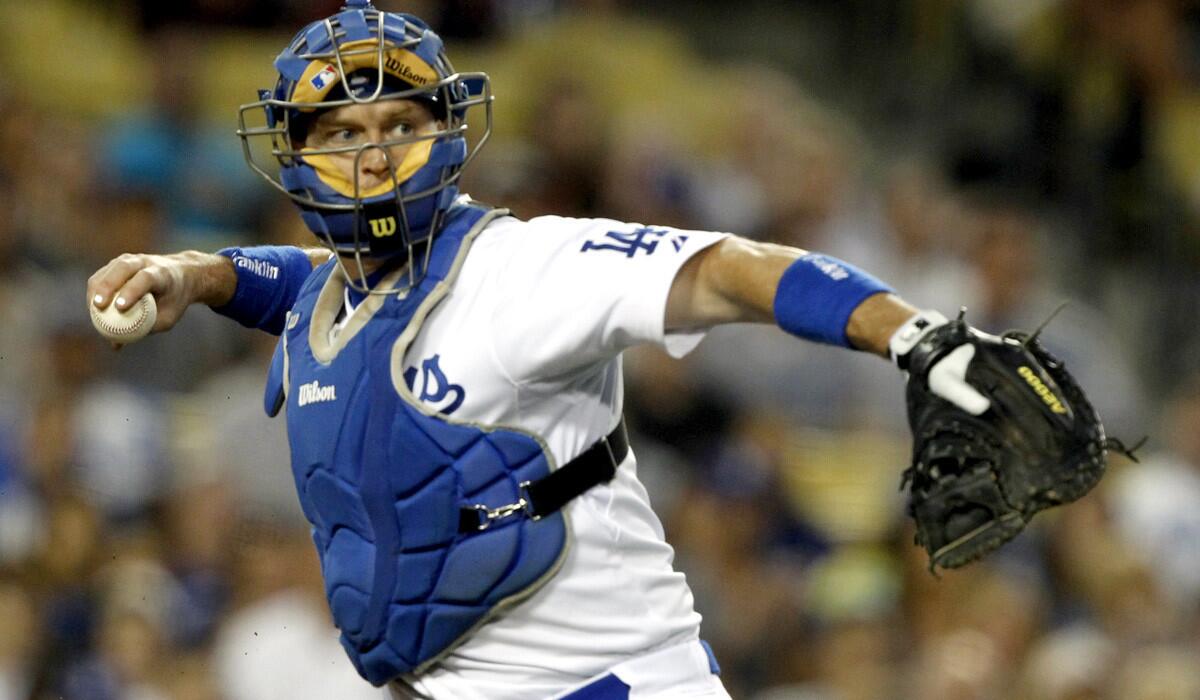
[(598, 465), (383, 478)]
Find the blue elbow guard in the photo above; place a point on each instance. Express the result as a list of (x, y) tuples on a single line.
[(817, 294), (269, 280)]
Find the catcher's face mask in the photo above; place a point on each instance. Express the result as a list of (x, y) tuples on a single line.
[(383, 192)]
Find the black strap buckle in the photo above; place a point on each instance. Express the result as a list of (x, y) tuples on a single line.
[(537, 499), (479, 517)]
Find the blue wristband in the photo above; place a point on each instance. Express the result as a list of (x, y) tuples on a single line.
[(817, 294), (269, 281)]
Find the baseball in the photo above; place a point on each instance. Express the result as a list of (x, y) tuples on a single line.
[(125, 326)]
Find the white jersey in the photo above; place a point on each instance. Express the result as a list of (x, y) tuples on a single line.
[(530, 336)]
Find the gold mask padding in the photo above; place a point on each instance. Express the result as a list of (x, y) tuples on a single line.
[(359, 55), (327, 168)]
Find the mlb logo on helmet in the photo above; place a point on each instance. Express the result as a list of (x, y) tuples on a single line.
[(324, 78)]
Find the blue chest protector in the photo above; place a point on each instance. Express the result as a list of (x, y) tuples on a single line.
[(382, 481)]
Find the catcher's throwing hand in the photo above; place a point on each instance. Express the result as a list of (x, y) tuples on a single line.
[(176, 281), (1000, 431)]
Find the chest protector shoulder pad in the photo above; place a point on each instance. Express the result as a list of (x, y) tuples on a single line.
[(382, 478)]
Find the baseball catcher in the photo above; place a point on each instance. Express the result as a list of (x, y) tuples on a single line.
[(1016, 437), (451, 378)]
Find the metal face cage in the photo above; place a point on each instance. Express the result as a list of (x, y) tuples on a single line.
[(354, 42)]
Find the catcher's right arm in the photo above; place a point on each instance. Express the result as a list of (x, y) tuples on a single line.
[(1000, 430)]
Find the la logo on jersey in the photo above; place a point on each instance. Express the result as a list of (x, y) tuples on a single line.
[(313, 392), (640, 240)]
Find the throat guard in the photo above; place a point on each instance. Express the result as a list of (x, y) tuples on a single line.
[(383, 479)]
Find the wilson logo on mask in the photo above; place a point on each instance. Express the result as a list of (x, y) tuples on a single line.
[(382, 228)]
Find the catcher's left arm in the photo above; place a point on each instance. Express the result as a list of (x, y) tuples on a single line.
[(1000, 429)]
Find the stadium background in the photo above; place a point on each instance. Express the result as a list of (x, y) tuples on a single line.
[(1000, 154)]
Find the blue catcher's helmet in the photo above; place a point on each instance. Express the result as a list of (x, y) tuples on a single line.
[(358, 56)]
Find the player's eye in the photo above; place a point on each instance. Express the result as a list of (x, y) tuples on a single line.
[(339, 137), (401, 129)]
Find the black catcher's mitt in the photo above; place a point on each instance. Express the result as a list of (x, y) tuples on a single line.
[(977, 478)]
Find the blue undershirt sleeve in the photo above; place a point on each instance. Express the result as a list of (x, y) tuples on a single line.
[(269, 281)]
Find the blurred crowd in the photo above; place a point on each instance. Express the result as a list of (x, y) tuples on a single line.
[(997, 155)]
